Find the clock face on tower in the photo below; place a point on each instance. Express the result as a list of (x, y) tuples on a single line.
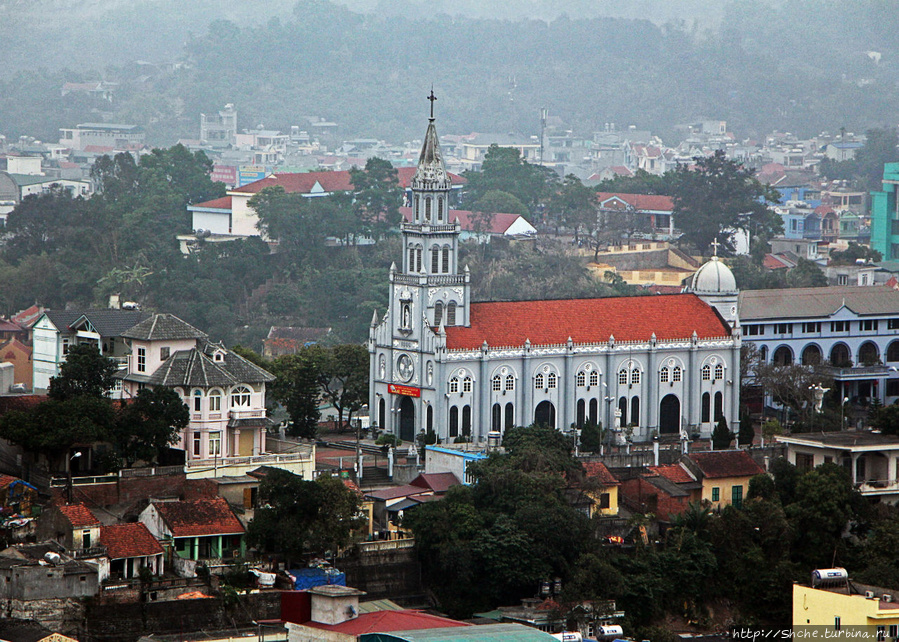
[(404, 367)]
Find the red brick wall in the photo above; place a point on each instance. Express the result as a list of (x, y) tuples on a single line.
[(132, 490), (639, 494)]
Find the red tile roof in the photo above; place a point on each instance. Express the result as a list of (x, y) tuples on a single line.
[(673, 473), (330, 181), (223, 203), (396, 492), (598, 471), (129, 540), (499, 222), (387, 621), (199, 517), (79, 515), (6, 480), (438, 482), (510, 323), (641, 202), (726, 463)]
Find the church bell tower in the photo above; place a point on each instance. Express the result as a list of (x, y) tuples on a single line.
[(430, 288)]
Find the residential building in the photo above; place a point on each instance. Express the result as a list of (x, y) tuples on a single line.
[(482, 226), (220, 129), (200, 529), (19, 355), (849, 605), (290, 340), (73, 526), (42, 572), (885, 214), (56, 331), (664, 491), (643, 262), (18, 630), (116, 136), (440, 362), (652, 212), (129, 548), (602, 489), (853, 331), (224, 392), (454, 460), (871, 458), (723, 474)]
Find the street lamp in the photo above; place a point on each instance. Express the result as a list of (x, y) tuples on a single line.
[(69, 471), (842, 413)]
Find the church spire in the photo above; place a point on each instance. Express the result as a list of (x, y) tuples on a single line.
[(431, 172)]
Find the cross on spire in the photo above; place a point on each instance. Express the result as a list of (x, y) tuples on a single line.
[(715, 245), (432, 98)]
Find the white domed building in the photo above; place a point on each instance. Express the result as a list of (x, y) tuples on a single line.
[(715, 284)]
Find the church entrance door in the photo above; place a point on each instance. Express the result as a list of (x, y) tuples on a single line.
[(669, 415), (545, 414), (407, 419)]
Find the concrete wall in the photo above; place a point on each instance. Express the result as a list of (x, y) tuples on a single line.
[(392, 574)]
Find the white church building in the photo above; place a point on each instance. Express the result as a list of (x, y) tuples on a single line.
[(649, 364)]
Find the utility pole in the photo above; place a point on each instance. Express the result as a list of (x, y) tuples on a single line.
[(543, 113)]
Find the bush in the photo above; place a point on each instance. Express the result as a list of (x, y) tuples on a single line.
[(388, 440)]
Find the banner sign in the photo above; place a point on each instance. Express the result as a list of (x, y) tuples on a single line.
[(406, 391)]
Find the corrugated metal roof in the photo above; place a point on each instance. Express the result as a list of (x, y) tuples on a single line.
[(797, 303)]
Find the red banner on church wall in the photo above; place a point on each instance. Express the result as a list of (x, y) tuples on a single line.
[(406, 391)]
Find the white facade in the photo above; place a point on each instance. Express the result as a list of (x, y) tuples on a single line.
[(423, 380)]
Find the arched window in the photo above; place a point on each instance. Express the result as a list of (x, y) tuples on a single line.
[(198, 400), (510, 416), (676, 374), (622, 377), (439, 208), (466, 421), (839, 356), (429, 419), (382, 413), (783, 356), (446, 265), (496, 418), (510, 382), (438, 313), (215, 401), (594, 412), (580, 379), (719, 406), (240, 397), (417, 207), (418, 253), (635, 377), (451, 313), (412, 259), (466, 384), (763, 354), (622, 408), (551, 380), (811, 355), (664, 373), (893, 351), (581, 413), (706, 372), (594, 378), (496, 383), (538, 381), (868, 354), (635, 410), (435, 260), (427, 209), (454, 384), (706, 407), (454, 421), (719, 372)]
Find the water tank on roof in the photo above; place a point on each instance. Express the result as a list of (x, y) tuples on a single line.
[(609, 631), (829, 576), (52, 558)]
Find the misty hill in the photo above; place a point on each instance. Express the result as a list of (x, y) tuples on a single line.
[(800, 66)]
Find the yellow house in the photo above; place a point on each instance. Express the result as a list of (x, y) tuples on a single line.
[(602, 489), (724, 475), (845, 606)]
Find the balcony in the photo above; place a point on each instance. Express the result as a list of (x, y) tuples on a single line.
[(855, 373), (249, 413), (877, 487), (300, 463)]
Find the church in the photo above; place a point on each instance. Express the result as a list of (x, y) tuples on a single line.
[(645, 366)]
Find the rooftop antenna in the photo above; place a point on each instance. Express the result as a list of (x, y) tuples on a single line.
[(432, 98)]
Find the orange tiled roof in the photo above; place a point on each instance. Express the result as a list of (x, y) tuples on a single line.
[(199, 517), (652, 202), (129, 540), (726, 463), (598, 471), (511, 323), (79, 515), (673, 473)]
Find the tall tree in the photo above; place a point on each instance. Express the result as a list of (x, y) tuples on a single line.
[(505, 170), (718, 197), (377, 195), (84, 373), (151, 421), (343, 376), (572, 206), (297, 388)]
